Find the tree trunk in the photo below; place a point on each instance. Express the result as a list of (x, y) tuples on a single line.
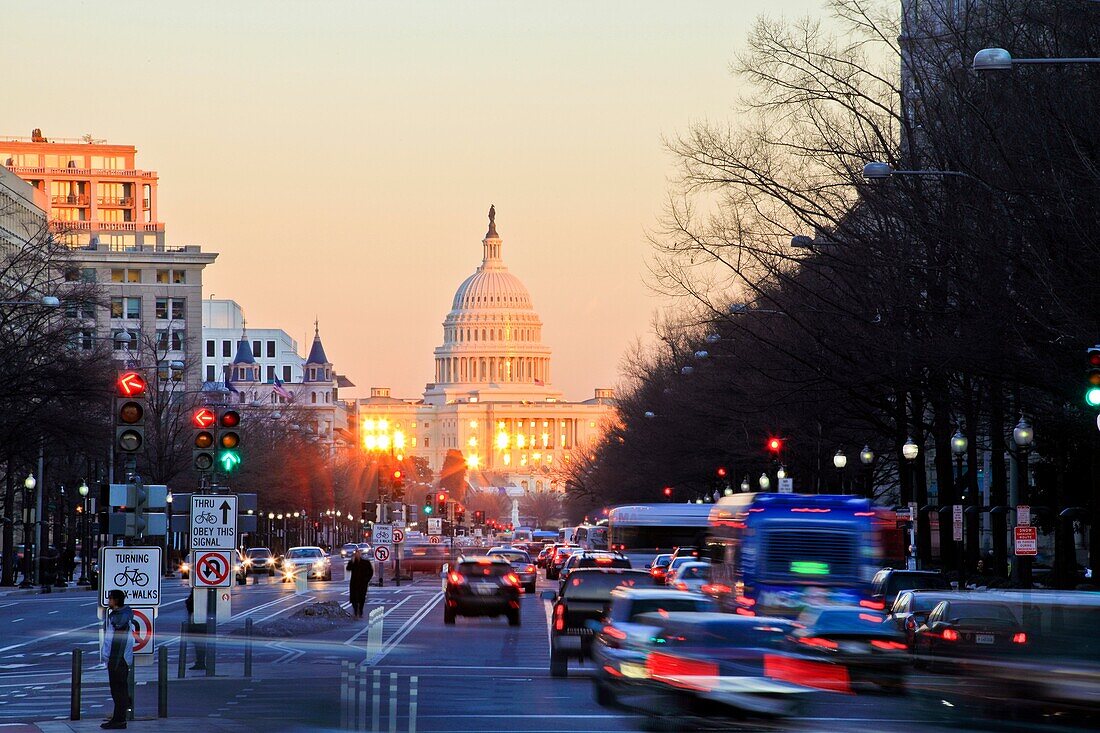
[(998, 479)]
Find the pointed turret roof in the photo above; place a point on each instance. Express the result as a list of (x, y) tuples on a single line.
[(317, 351), (244, 351)]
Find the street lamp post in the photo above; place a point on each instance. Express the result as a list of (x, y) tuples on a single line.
[(959, 444), (920, 546), (745, 484), (1023, 435), (83, 491), (840, 461), (168, 541), (867, 458), (29, 520)]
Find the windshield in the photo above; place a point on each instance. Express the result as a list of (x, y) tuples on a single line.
[(296, 553), (898, 582), (670, 605), (511, 555), (598, 584), (484, 569), (258, 552), (694, 572)]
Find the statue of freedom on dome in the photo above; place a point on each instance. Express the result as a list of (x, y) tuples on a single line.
[(492, 221)]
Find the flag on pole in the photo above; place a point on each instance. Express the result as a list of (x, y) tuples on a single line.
[(229, 380), (281, 390)]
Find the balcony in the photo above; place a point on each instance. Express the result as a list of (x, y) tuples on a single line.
[(107, 226), (115, 201), (82, 173), (70, 200)]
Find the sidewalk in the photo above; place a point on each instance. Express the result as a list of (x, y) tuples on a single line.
[(10, 591), (161, 725)]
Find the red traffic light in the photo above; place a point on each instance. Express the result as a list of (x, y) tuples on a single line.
[(130, 384), (775, 445), (668, 491), (1094, 357), (203, 417), (442, 497), (396, 475), (721, 472), (230, 419)]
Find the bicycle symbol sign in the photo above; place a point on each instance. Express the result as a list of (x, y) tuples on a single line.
[(135, 571)]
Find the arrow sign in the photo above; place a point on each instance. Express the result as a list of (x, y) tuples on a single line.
[(225, 512), (130, 384)]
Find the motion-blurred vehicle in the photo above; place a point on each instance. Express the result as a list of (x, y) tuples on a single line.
[(586, 559), (659, 567), (185, 567), (258, 560), (678, 562), (585, 597), (967, 629), (911, 609), (717, 666), (540, 559), (481, 586), (348, 550), (423, 558), (364, 547), (622, 643), (641, 531), (888, 582), (311, 561), (857, 640), (556, 560), (690, 576), (522, 566), (687, 551)]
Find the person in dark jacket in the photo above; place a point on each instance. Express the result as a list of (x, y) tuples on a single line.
[(118, 654), (361, 570)]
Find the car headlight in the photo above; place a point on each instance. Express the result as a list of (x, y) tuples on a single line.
[(184, 567)]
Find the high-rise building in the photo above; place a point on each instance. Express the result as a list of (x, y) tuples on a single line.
[(104, 207), (275, 351)]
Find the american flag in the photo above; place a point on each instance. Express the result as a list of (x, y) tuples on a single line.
[(282, 391)]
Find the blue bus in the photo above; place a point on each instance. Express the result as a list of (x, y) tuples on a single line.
[(774, 554)]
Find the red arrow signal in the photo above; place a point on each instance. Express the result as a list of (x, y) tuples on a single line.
[(204, 417), (131, 384)]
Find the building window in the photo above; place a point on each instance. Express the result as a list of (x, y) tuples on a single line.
[(177, 312), (162, 276), (210, 372), (270, 374), (162, 340), (162, 309), (286, 373), (179, 339), (427, 442), (133, 309), (227, 348), (270, 349), (210, 347), (256, 348), (179, 277), (313, 397), (118, 275)]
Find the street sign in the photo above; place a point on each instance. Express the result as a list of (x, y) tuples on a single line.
[(381, 553), (478, 532), (382, 534), (434, 539), (143, 636), (133, 570), (435, 525), (786, 485), (398, 535), (957, 522), (1027, 540), (224, 609), (212, 569), (914, 507), (213, 522), (1023, 514)]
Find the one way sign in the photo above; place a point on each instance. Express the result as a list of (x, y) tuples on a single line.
[(213, 522)]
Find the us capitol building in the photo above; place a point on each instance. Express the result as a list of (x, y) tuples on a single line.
[(491, 398)]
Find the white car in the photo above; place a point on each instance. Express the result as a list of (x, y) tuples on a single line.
[(309, 560), (690, 576)]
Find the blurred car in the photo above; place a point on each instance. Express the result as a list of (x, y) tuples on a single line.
[(888, 582), (690, 576), (856, 639), (592, 559), (481, 586), (348, 550), (686, 551), (521, 565), (659, 567), (716, 666), (585, 597), (622, 643), (423, 558), (561, 554), (970, 628), (185, 567), (312, 561), (364, 547), (911, 609), (540, 559), (258, 560), (678, 562)]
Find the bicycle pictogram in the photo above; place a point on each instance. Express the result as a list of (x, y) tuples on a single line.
[(206, 518), (131, 575)]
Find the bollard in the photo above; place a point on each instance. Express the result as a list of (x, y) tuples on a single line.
[(211, 637), (412, 704), (248, 648), (376, 700), (345, 705), (74, 692), (130, 685), (361, 680), (181, 668), (162, 682), (393, 702)]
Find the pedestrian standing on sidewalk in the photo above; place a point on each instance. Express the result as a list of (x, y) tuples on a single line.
[(361, 571), (196, 632), (118, 654)]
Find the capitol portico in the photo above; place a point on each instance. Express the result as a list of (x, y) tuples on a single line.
[(491, 398)]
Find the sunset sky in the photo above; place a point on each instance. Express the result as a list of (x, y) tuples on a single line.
[(341, 156)]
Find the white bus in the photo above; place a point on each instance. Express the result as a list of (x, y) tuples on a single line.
[(591, 537), (565, 535), (643, 531)]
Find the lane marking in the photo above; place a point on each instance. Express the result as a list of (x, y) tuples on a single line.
[(406, 628), (385, 613)]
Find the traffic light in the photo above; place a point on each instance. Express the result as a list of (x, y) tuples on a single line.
[(229, 440), (775, 445), (441, 503), (203, 424), (721, 472), (130, 404), (460, 514), (479, 517), (668, 493), (397, 484), (1092, 392), (369, 512), (428, 507)]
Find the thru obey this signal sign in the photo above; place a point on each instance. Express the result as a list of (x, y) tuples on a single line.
[(212, 569)]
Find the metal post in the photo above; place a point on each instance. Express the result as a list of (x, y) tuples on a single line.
[(1023, 562), (376, 700), (248, 648), (345, 696), (162, 682), (40, 490), (130, 686), (393, 702), (412, 704), (211, 630), (361, 683), (181, 667), (74, 690)]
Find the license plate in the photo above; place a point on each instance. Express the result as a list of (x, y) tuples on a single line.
[(854, 647), (484, 589), (983, 638)]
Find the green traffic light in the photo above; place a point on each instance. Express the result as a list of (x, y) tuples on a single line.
[(229, 460), (427, 509), (1092, 396)]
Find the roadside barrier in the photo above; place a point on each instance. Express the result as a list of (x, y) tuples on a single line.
[(356, 706)]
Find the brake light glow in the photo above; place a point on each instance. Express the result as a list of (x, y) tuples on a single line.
[(614, 633), (715, 588), (1019, 638), (511, 579), (887, 644), (870, 619), (807, 672), (657, 572), (680, 585), (819, 642), (692, 674), (873, 605), (744, 612), (455, 578), (950, 635), (559, 617), (603, 560), (530, 569)]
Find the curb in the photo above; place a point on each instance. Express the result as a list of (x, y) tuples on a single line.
[(38, 591)]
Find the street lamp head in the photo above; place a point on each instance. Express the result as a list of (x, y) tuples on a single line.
[(29, 483), (702, 354), (123, 338), (958, 443), (745, 484), (50, 301), (992, 59), (167, 497), (727, 491), (713, 338), (839, 459), (876, 170), (764, 482), (271, 515), (866, 456), (83, 488), (649, 414), (782, 472), (687, 371), (910, 450), (1023, 434)]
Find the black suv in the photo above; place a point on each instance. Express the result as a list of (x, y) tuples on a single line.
[(481, 586), (585, 598), (887, 583), (592, 559)]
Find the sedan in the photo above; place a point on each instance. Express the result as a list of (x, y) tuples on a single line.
[(522, 566), (311, 561), (858, 641), (911, 609), (965, 629), (679, 562), (691, 576)]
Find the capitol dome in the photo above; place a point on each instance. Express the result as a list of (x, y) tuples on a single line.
[(492, 337)]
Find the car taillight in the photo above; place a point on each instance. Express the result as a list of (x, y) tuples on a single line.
[(819, 642), (530, 569), (1019, 638), (680, 585), (559, 617), (511, 579), (950, 635), (657, 572), (891, 645), (455, 578), (873, 605), (692, 674), (612, 636), (911, 624), (715, 588), (807, 672)]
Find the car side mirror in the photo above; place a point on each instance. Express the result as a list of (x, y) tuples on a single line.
[(548, 595)]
